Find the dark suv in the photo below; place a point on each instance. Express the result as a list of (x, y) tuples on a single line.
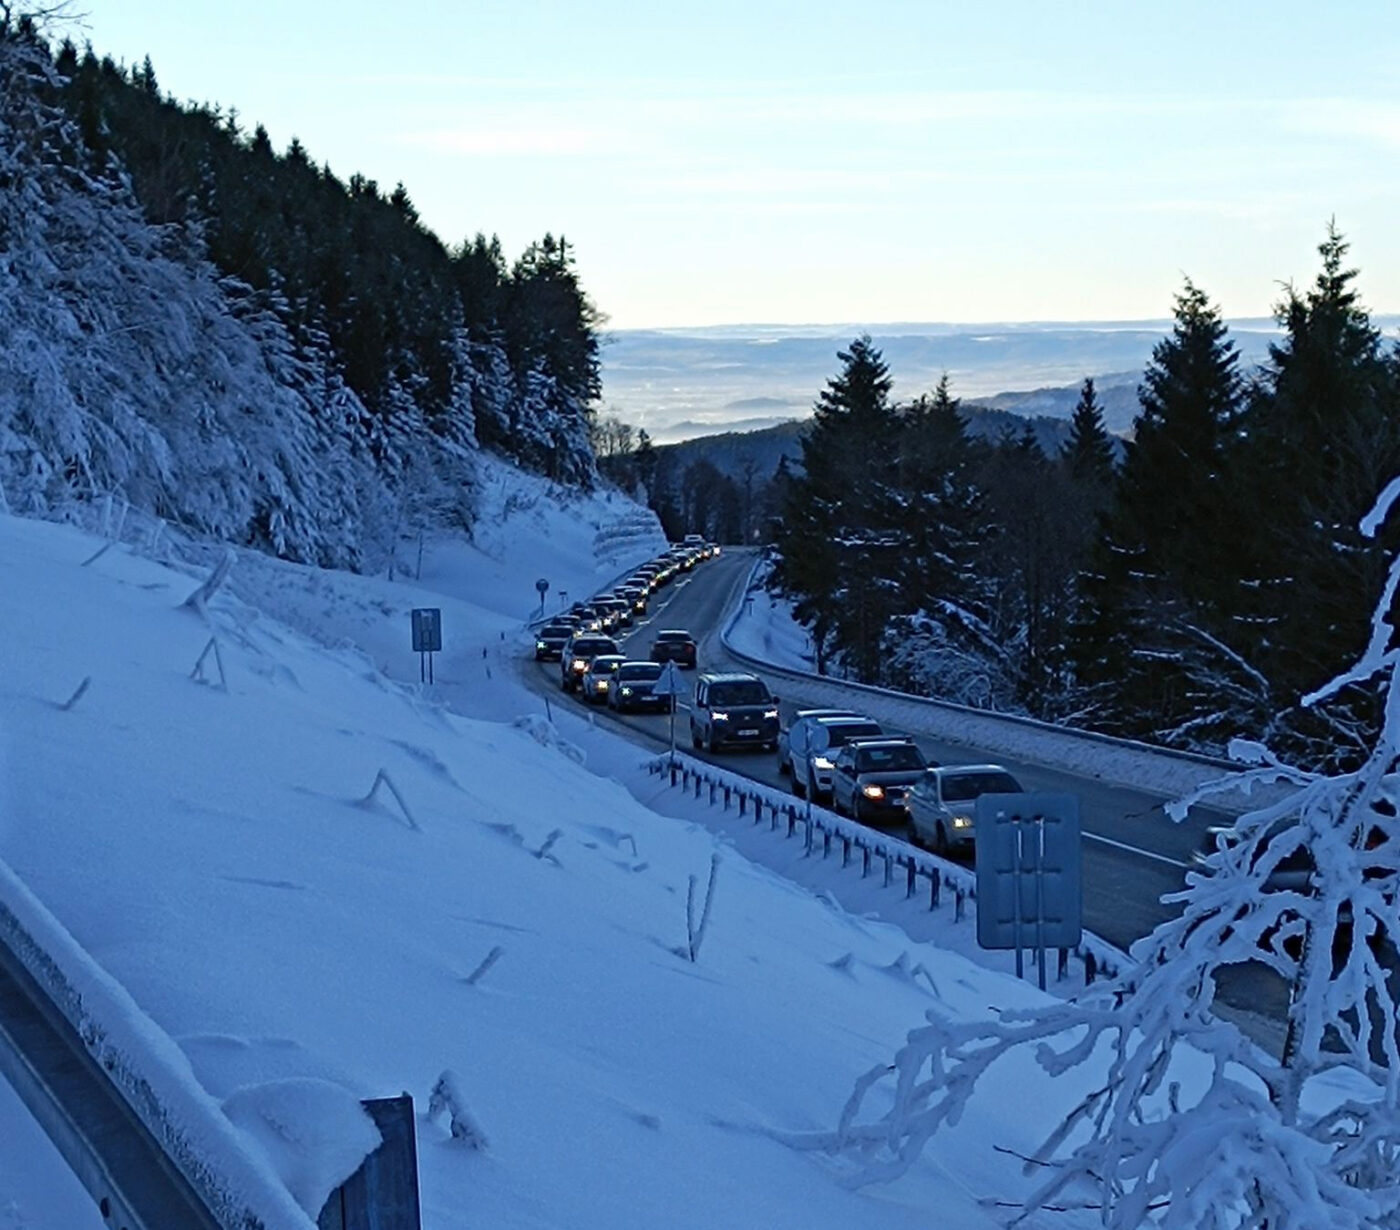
[(733, 709), (550, 641)]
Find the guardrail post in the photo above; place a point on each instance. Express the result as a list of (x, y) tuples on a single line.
[(826, 842), (935, 888), (807, 845), (958, 898), (674, 767), (887, 867), (864, 861), (1062, 968), (712, 794), (743, 799), (1091, 966), (792, 819), (726, 798), (913, 874), (697, 784), (845, 850), (773, 819)]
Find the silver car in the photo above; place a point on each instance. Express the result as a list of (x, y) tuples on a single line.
[(943, 803), (784, 759), (812, 746), (599, 676)]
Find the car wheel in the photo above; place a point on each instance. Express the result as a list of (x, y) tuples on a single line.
[(710, 740), (694, 736)]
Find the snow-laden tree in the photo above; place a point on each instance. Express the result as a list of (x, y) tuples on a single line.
[(1186, 1123)]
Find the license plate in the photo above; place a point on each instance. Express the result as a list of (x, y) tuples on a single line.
[(748, 734)]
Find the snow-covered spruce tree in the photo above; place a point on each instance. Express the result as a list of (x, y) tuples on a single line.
[(1188, 1125)]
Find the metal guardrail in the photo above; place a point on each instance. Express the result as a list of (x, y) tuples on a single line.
[(74, 1099), (899, 863), (1179, 772)]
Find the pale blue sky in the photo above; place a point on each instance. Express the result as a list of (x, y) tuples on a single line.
[(817, 162)]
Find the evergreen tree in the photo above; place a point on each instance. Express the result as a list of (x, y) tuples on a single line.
[(1089, 450), (837, 537), (1325, 431), (1152, 643)]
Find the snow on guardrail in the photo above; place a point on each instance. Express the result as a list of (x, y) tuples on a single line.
[(148, 1069), (823, 832), (1107, 758)]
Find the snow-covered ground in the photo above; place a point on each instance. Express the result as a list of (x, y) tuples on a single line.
[(510, 906)]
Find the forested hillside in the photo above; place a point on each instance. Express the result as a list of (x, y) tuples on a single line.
[(1201, 588), (727, 485), (234, 339)]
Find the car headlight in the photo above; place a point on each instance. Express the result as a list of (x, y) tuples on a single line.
[(718, 716), (625, 691), (770, 715), (602, 685), (580, 664), (962, 822), (541, 645), (823, 762), (873, 792)]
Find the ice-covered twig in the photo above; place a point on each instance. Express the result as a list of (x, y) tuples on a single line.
[(198, 673), (447, 1098), (77, 695), (480, 972), (696, 931), (199, 600), (98, 554), (383, 779), (543, 851)]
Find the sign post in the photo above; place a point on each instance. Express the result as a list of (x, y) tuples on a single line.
[(543, 587), (670, 684), (1029, 883), (427, 639)]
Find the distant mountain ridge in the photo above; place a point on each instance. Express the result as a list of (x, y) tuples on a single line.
[(761, 451), (679, 383)]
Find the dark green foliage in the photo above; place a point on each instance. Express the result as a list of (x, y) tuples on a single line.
[(1324, 433), (1089, 451), (839, 538), (416, 330), (1152, 644)]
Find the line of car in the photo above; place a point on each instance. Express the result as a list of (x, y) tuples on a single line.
[(847, 759), (591, 660), (836, 756)]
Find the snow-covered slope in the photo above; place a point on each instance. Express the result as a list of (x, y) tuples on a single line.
[(211, 845)]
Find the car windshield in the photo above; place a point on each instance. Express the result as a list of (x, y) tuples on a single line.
[(643, 672), (557, 630), (894, 757), (590, 646), (959, 787), (673, 636), (605, 665), (745, 692), (838, 735)]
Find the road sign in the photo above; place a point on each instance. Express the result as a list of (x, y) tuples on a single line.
[(427, 639), (427, 630), (1029, 884), (670, 683)]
